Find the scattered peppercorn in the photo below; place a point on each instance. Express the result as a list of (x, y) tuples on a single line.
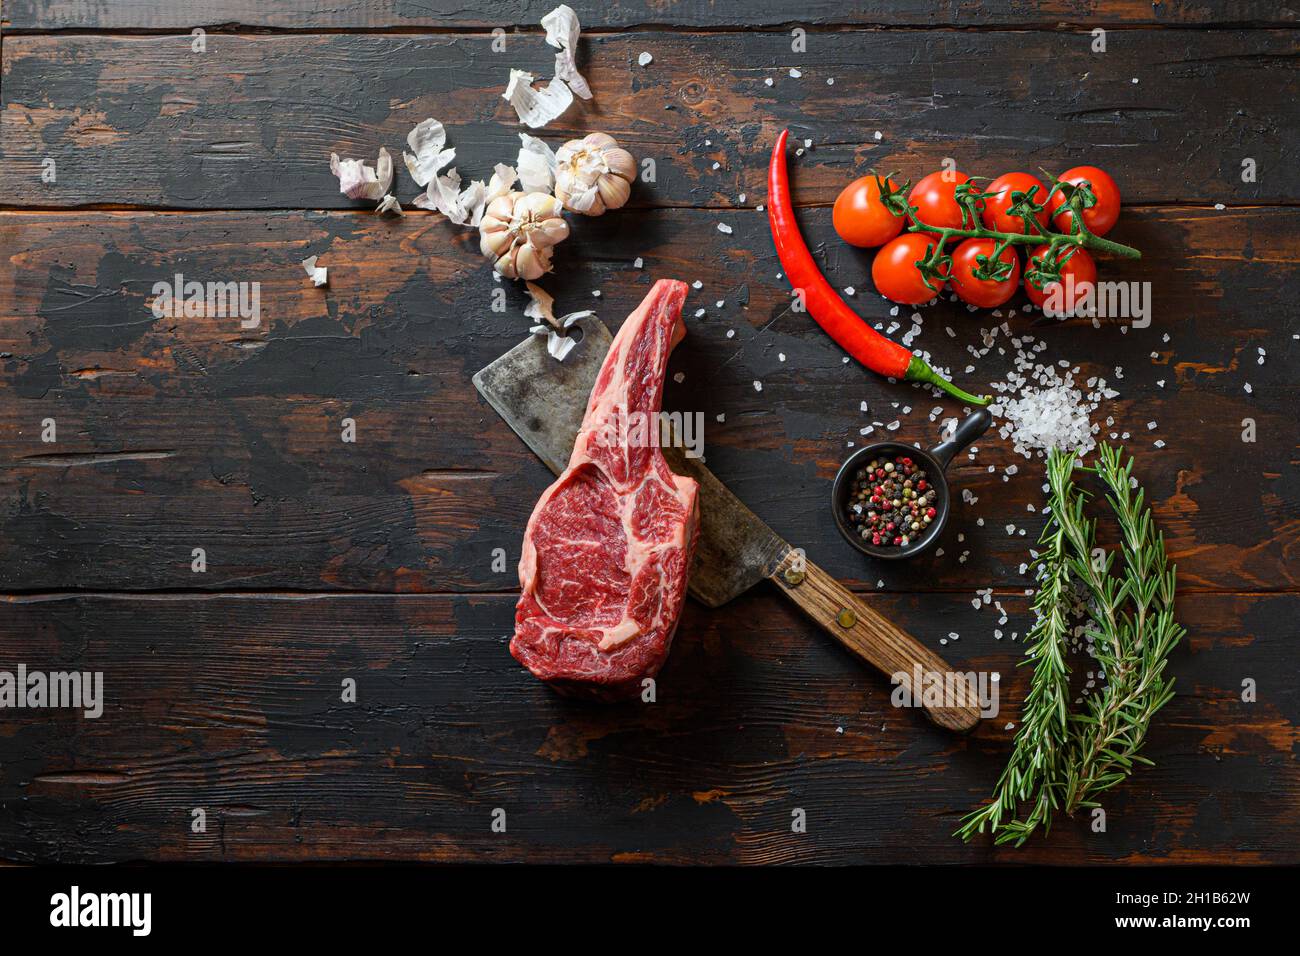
[(890, 502)]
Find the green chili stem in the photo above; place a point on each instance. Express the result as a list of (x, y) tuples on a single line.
[(918, 370)]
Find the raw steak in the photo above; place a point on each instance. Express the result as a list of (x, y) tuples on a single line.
[(609, 545)]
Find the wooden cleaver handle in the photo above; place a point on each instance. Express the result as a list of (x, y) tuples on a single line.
[(879, 642)]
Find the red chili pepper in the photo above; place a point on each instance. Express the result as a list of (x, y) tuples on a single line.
[(824, 304)]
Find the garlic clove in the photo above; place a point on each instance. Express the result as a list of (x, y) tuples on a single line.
[(614, 190), (621, 163), (531, 262), (495, 242), (599, 142)]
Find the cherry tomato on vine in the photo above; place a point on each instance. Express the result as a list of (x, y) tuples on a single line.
[(896, 275), (861, 219), (983, 293), (1099, 219), (997, 200), (935, 199), (1078, 270)]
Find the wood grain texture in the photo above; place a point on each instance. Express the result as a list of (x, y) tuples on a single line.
[(391, 560), (232, 704), (34, 15), (176, 434), (251, 122)]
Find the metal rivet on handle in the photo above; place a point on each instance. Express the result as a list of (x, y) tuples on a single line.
[(792, 577), (846, 618)]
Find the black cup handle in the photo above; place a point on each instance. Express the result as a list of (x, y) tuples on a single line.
[(972, 427)]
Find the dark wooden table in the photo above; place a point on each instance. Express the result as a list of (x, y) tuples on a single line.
[(374, 560)]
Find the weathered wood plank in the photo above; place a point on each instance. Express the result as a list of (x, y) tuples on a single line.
[(366, 14), (232, 704), (182, 433), (251, 122)]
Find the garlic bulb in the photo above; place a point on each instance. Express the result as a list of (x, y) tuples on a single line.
[(593, 174), (518, 231)]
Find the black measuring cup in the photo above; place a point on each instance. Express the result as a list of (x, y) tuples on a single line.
[(934, 461)]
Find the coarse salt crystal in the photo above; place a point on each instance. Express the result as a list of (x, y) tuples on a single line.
[(1049, 411)]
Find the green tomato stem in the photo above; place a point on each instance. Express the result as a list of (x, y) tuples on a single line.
[(1084, 240), (1091, 241)]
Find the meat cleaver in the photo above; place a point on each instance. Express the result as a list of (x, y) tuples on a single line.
[(544, 400)]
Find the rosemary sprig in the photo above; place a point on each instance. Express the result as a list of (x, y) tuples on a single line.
[(1132, 654), (1062, 760), (1029, 776)]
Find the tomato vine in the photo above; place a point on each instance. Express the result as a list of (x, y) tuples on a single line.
[(1042, 269)]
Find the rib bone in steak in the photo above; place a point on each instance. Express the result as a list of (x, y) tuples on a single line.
[(609, 545)]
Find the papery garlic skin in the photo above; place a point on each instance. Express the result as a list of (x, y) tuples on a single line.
[(518, 232), (562, 32), (593, 174), (537, 107), (359, 181), (428, 153), (536, 165)]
